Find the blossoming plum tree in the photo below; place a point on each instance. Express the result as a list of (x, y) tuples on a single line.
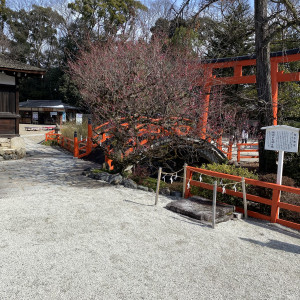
[(145, 91)]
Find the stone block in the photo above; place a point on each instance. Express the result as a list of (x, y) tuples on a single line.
[(8, 151), (165, 192), (4, 140), (129, 183), (17, 143), (11, 156), (176, 194), (5, 145), (103, 176), (201, 209), (115, 179), (237, 215), (21, 153), (142, 188)]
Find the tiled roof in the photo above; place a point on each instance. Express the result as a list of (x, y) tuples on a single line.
[(13, 65), (46, 104)]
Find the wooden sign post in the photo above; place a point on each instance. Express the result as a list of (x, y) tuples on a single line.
[(281, 138)]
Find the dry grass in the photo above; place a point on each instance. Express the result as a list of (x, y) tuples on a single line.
[(69, 128)]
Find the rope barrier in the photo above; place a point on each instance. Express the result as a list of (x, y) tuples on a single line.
[(175, 175)]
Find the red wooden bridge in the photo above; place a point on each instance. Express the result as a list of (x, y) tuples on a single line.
[(237, 65)]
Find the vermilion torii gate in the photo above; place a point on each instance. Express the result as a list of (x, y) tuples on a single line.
[(237, 63)]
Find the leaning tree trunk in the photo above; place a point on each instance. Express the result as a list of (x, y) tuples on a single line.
[(263, 79)]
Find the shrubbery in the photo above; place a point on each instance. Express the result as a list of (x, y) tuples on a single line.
[(285, 197), (227, 169), (292, 166), (69, 128)]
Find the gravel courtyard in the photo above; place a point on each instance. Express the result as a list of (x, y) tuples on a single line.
[(66, 236)]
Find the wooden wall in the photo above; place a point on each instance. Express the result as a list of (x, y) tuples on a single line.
[(9, 110)]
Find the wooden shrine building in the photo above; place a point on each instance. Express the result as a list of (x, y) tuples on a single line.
[(11, 72)]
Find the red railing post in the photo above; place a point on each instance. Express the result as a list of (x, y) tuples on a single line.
[(76, 146), (229, 155), (219, 143), (89, 137), (275, 207), (189, 175)]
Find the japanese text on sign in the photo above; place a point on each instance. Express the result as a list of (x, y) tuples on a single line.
[(282, 140)]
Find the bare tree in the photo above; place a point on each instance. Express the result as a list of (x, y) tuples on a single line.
[(269, 21)]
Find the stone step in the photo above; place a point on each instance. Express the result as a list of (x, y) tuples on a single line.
[(7, 151), (7, 145), (4, 140), (201, 209)]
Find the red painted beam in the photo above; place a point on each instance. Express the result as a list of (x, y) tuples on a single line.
[(287, 77)]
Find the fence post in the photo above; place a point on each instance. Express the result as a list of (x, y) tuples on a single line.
[(230, 150), (184, 180), (89, 137), (214, 204), (244, 198), (76, 150), (219, 143), (157, 186)]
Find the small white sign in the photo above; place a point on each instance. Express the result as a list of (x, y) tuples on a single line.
[(78, 119), (282, 138), (35, 116)]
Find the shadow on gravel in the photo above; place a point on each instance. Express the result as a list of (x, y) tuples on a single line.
[(275, 227), (277, 245), (130, 201), (189, 220)]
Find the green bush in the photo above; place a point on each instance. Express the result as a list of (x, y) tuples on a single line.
[(50, 143), (292, 166), (285, 197)]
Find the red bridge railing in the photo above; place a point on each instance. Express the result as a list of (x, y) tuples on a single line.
[(246, 148), (82, 148)]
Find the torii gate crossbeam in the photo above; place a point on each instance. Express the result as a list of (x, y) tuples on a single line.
[(237, 63)]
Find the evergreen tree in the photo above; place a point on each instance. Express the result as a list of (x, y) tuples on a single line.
[(106, 17)]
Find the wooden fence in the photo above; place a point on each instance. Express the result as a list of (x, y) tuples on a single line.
[(246, 147), (274, 203)]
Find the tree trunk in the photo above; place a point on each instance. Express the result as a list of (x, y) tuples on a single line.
[(263, 76)]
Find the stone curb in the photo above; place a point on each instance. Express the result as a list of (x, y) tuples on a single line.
[(118, 179)]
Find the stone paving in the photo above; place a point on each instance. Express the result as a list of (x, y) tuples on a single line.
[(44, 164)]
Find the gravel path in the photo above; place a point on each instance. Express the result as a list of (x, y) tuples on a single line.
[(65, 236)]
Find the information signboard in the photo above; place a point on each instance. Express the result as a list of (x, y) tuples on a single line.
[(282, 138)]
